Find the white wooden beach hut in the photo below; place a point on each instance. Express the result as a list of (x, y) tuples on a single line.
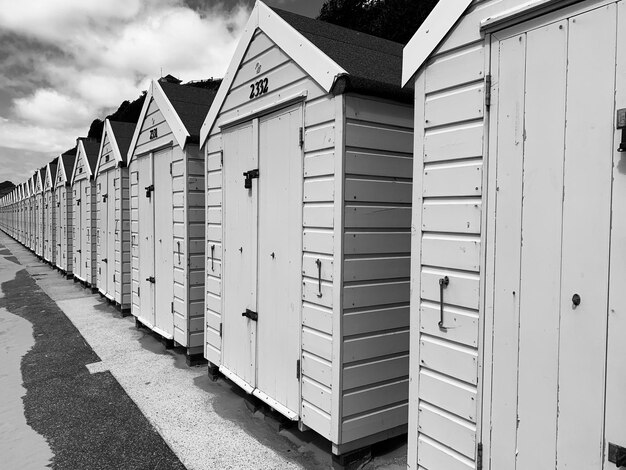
[(113, 220), (39, 211), (308, 151), (167, 214), (49, 213), (65, 212), (519, 236), (84, 211), (19, 215), (29, 214)]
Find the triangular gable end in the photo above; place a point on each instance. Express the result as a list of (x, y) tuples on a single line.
[(48, 183), (430, 34), (39, 187), (312, 60), (81, 164), (162, 102), (61, 173), (108, 137)]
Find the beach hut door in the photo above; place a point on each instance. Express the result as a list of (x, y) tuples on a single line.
[(553, 159)]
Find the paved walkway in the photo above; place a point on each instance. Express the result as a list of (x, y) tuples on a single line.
[(86, 389)]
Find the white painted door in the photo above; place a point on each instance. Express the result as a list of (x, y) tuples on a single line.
[(555, 118), (240, 254), (279, 260), (101, 232), (146, 240), (110, 236), (163, 243)]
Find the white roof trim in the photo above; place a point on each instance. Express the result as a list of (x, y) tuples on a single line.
[(61, 168), (107, 130), (313, 61), (432, 31), (39, 188), (80, 152), (529, 8), (169, 113), (48, 184)]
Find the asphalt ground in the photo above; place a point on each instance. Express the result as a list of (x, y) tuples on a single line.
[(98, 393)]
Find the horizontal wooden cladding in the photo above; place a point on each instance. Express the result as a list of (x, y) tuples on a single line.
[(381, 420), (457, 252), (317, 317), (316, 393), (452, 215), (463, 289), (319, 137), (371, 190), (267, 60), (378, 164), (461, 324), (449, 394), (377, 396), (368, 109), (453, 179), (435, 455), (378, 137), (319, 164), (454, 360), (373, 320), (364, 243), (378, 293), (316, 368), (311, 292), (317, 343), (448, 429), (316, 419), (318, 215), (310, 266), (319, 110), (366, 216), (461, 66), (374, 268), (259, 44), (320, 189), (456, 105), (318, 240), (377, 345)]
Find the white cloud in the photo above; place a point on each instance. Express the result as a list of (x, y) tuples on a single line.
[(110, 50)]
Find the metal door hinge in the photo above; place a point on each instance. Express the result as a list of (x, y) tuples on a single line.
[(138, 291), (171, 168), (221, 329), (479, 456), (301, 137), (298, 369), (488, 91), (172, 307)]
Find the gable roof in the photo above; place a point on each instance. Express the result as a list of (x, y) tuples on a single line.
[(338, 59), (87, 149), (66, 161), (51, 172), (183, 108), (120, 135), (430, 34), (41, 174)]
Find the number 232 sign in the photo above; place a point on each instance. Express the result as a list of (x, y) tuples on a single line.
[(259, 88)]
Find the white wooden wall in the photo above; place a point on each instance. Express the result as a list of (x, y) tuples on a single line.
[(285, 80), (122, 240), (376, 267)]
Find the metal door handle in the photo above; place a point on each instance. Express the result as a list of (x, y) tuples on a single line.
[(212, 257), (443, 283), (319, 277), (250, 314)]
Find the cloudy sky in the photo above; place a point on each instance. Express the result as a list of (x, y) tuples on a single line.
[(64, 63)]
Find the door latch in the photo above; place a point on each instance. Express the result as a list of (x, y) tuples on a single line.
[(105, 260), (443, 283), (105, 197), (617, 455), (150, 279), (247, 184), (250, 314), (149, 189)]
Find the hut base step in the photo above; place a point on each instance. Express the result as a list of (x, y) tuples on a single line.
[(352, 460), (213, 371)]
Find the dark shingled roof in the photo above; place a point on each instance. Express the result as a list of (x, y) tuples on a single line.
[(191, 104), (374, 64), (69, 157), (123, 132), (92, 148), (53, 171)]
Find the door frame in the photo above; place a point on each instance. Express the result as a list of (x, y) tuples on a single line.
[(254, 118), (500, 30)]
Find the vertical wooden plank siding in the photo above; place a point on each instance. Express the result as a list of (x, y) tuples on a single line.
[(179, 188), (376, 265), (122, 239), (615, 419), (134, 235), (286, 80)]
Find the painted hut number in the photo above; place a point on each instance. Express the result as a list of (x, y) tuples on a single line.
[(259, 88), (153, 133)]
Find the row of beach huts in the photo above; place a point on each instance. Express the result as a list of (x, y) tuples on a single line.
[(375, 240)]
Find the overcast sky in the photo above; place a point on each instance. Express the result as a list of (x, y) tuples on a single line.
[(64, 63)]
